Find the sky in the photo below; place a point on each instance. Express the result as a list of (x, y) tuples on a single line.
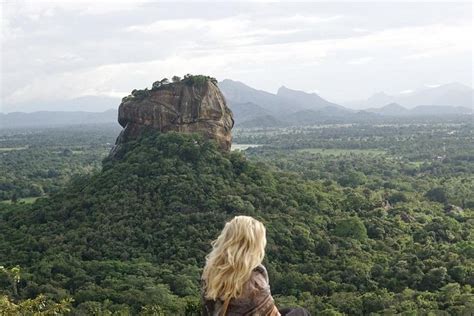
[(58, 50)]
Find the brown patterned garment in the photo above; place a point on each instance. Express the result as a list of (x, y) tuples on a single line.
[(256, 299)]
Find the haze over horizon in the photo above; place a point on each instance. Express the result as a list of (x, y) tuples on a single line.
[(54, 51)]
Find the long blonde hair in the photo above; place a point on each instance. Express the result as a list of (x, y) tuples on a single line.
[(238, 250)]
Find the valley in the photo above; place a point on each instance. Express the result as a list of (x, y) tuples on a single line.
[(362, 218)]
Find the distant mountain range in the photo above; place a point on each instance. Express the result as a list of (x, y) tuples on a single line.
[(253, 108), (284, 102), (56, 118), (395, 109), (452, 94), (258, 108), (91, 103)]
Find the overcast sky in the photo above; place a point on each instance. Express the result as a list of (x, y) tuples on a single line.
[(342, 50)]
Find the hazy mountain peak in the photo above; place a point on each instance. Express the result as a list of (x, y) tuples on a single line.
[(394, 106), (389, 109), (282, 89), (454, 86), (233, 83), (377, 100), (285, 90), (451, 94), (304, 99), (380, 94), (230, 81)]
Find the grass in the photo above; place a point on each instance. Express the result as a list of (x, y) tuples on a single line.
[(243, 146), (5, 149), (341, 152), (28, 200)]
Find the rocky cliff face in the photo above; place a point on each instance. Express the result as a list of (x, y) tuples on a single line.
[(184, 106)]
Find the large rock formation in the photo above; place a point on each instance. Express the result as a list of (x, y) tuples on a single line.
[(187, 106)]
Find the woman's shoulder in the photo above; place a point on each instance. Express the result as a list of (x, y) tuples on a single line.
[(256, 295), (261, 271), (259, 279)]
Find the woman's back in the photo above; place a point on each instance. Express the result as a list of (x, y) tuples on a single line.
[(256, 298)]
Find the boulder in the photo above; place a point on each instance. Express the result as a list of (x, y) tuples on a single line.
[(185, 106)]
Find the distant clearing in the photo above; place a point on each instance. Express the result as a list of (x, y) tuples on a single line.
[(341, 152), (28, 200), (5, 149), (243, 146)]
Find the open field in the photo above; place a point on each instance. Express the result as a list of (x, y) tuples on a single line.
[(28, 200), (340, 152), (6, 149), (243, 146)]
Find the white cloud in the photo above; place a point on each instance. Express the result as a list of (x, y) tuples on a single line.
[(238, 53), (406, 91), (418, 39), (234, 30), (418, 56), (110, 79), (360, 30), (36, 9), (170, 25), (432, 85), (306, 19), (360, 61), (47, 58)]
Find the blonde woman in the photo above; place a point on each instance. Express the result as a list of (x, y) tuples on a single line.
[(234, 280)]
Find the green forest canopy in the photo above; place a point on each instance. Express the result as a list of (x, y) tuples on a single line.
[(133, 237)]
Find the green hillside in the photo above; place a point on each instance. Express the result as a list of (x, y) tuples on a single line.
[(133, 237)]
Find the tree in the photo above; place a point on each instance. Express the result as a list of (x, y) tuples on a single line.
[(41, 305), (13, 275), (351, 227), (434, 279), (156, 85), (397, 197), (352, 179), (437, 194), (14, 198), (176, 79)]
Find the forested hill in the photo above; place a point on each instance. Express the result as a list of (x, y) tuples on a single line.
[(133, 237)]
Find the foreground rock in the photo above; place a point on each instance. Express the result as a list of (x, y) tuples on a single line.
[(192, 105)]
